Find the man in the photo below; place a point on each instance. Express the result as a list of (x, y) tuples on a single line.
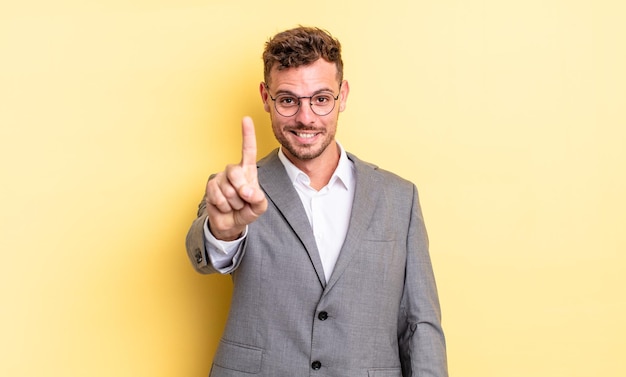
[(328, 254)]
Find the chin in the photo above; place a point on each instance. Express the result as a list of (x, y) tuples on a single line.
[(304, 155)]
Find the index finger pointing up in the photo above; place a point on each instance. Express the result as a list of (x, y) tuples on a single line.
[(248, 154)]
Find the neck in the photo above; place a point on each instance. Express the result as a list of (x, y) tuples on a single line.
[(319, 169)]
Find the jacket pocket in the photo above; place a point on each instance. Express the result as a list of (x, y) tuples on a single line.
[(238, 357), (385, 372)]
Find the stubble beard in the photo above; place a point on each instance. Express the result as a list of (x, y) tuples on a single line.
[(305, 152)]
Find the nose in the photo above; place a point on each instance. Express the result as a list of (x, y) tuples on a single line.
[(305, 114)]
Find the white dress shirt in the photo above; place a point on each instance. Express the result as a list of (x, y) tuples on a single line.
[(328, 211)]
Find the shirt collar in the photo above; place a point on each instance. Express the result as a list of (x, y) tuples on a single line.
[(344, 172)]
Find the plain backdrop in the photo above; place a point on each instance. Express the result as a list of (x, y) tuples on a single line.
[(508, 115)]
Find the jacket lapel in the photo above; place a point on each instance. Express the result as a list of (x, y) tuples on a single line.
[(280, 191), (366, 195)]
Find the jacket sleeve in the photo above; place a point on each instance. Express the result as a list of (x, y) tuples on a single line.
[(421, 339), (195, 243), (196, 246)]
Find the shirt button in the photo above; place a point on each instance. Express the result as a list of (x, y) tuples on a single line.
[(316, 365), (322, 316)]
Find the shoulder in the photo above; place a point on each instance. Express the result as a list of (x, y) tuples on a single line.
[(369, 171), (269, 159)]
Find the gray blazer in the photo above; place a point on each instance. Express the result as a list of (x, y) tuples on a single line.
[(378, 315)]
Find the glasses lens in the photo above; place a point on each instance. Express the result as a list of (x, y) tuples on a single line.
[(287, 105), (322, 104)]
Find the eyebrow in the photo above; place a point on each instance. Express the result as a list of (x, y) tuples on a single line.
[(289, 92)]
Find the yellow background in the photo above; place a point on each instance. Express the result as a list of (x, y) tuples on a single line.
[(508, 115)]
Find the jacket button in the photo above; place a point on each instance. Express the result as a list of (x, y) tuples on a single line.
[(316, 365), (322, 316), (198, 256)]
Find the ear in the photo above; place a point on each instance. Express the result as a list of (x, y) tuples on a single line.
[(265, 97), (343, 98)]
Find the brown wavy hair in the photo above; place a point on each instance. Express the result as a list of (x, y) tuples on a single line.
[(301, 46)]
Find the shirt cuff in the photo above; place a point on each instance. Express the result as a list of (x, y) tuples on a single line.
[(221, 253)]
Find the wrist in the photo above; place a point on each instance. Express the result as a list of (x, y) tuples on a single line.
[(227, 235)]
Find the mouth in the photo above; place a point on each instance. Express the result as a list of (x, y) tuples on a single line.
[(305, 136)]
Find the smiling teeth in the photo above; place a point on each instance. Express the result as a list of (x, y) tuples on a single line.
[(305, 136)]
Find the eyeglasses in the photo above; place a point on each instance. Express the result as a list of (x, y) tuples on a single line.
[(288, 105)]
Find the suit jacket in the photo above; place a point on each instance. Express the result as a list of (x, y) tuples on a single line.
[(378, 315)]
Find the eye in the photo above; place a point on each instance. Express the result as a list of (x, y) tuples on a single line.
[(322, 99), (287, 100)]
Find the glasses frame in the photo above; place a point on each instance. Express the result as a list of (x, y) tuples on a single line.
[(310, 98)]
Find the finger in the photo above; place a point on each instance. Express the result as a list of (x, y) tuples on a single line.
[(248, 155), (251, 212), (232, 196), (254, 195), (215, 198), (236, 177)]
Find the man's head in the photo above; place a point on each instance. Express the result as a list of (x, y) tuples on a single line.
[(304, 92), (299, 47)]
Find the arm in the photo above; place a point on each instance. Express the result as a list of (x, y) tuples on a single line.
[(421, 338), (208, 254), (233, 199), (195, 243)]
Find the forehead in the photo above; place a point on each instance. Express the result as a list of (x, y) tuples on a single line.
[(315, 76)]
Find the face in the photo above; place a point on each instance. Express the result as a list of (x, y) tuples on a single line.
[(306, 136)]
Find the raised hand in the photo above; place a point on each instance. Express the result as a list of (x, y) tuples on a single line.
[(234, 198)]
